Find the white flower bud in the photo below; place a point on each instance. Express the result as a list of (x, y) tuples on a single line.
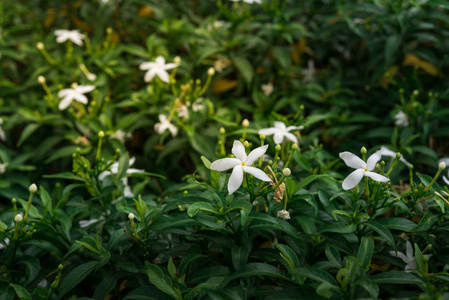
[(74, 85), (131, 216), (245, 123), (442, 165), (283, 214), (177, 60), (33, 189), (101, 134), (286, 172), (18, 218), (41, 79), (91, 77), (40, 46), (211, 72), (222, 130)]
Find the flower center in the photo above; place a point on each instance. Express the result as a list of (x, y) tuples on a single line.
[(365, 169), (242, 163)]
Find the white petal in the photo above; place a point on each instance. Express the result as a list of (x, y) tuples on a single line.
[(163, 75), (291, 137), (268, 131), (411, 266), (173, 130), (446, 181), (85, 88), (61, 38), (132, 160), (278, 137), (289, 128), (224, 164), (409, 250), (80, 98), (64, 92), (103, 175), (255, 154), (147, 65), (259, 174), (353, 179), (77, 40), (239, 150), (351, 160), (236, 179), (170, 66), (373, 159), (401, 256), (132, 170), (279, 125), (376, 177), (149, 75), (65, 102), (160, 60), (162, 118)]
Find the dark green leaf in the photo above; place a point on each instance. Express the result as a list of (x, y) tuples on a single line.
[(396, 277), (383, 232), (106, 285), (22, 293), (75, 276), (156, 277), (365, 252)]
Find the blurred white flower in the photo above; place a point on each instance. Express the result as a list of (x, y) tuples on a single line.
[(121, 135), (197, 106), (409, 257), (240, 164), (2, 133), (362, 169), (183, 111), (283, 214), (6, 242), (164, 125), (75, 93), (267, 89), (249, 1), (91, 76), (280, 132), (75, 36), (221, 63), (446, 161), (158, 67), (401, 119), (3, 168), (387, 152), (308, 75), (87, 223)]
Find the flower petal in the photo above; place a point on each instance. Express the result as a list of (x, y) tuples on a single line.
[(258, 173), (272, 130), (64, 92), (352, 160), (172, 128), (65, 102), (278, 137), (409, 250), (147, 65), (291, 137), (373, 159), (446, 181), (401, 256), (224, 164), (80, 98), (255, 154), (239, 151), (85, 88), (149, 75), (353, 179), (289, 128), (236, 179), (160, 60), (376, 177), (163, 75), (279, 125), (170, 66)]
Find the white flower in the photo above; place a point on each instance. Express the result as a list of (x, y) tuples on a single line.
[(387, 152), (2, 133), (249, 1), (409, 259), (87, 223), (164, 125), (197, 106), (446, 161), (183, 111), (121, 135), (75, 36), (241, 163), (401, 119), (283, 214), (158, 67), (267, 89), (75, 93), (280, 132), (362, 169), (114, 169), (6, 241), (3, 168), (309, 73)]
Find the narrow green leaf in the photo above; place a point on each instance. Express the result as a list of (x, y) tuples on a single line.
[(340, 227), (29, 129), (245, 68), (106, 285), (22, 293), (288, 255), (206, 162), (365, 252), (196, 207), (171, 268), (245, 209), (256, 269), (45, 198), (397, 277), (421, 262), (383, 232), (239, 256), (75, 276), (315, 274), (156, 277), (402, 224), (426, 222)]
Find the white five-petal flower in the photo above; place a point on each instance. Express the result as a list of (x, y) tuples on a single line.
[(164, 125), (75, 93), (280, 132), (409, 257), (401, 119), (75, 36), (362, 169), (2, 133), (387, 152), (249, 1), (241, 164), (158, 67)]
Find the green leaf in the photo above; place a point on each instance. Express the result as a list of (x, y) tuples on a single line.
[(245, 209), (206, 162), (86, 245), (146, 293), (426, 222), (65, 175), (309, 179), (207, 273), (383, 232), (245, 68), (255, 269), (66, 151), (171, 268), (32, 268), (421, 262), (324, 289), (397, 277), (156, 277), (106, 285), (365, 252), (315, 274), (260, 220), (27, 132), (66, 223), (22, 293), (340, 227), (187, 260), (401, 224), (75, 276), (45, 198), (288, 255), (203, 206), (239, 256), (332, 254)]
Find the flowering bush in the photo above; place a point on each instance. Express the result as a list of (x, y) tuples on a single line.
[(172, 184)]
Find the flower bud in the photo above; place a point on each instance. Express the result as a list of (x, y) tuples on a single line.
[(13, 201), (33, 189), (131, 216), (18, 218), (363, 150), (295, 146), (283, 214), (109, 30), (91, 77), (442, 165), (262, 136), (246, 144), (222, 130), (286, 172), (211, 72), (278, 148), (177, 60), (74, 85), (60, 267), (40, 46), (101, 134), (245, 123), (41, 79), (398, 155)]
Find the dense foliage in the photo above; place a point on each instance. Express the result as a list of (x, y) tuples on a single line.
[(215, 149)]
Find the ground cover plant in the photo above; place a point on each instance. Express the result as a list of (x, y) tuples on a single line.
[(190, 149)]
